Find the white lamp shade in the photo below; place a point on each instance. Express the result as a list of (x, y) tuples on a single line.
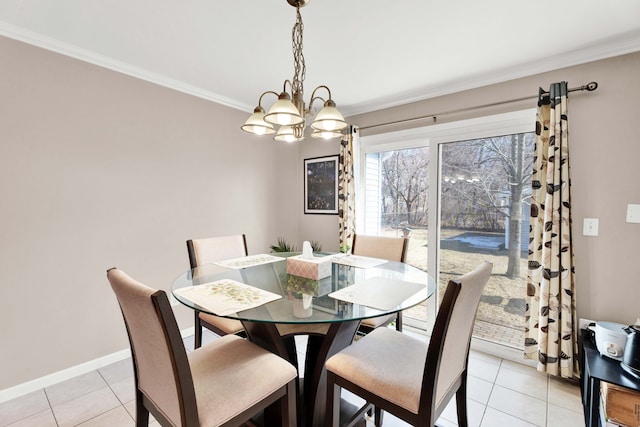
[(326, 134), (283, 113), (256, 125), (329, 119), (286, 134)]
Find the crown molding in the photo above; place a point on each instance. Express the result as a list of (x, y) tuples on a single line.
[(47, 43), (627, 43)]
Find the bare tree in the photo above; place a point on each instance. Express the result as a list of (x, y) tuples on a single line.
[(405, 173), (519, 177), (484, 182), (499, 171)]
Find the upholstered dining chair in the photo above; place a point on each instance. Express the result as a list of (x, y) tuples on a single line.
[(406, 377), (389, 248), (203, 251), (189, 390)]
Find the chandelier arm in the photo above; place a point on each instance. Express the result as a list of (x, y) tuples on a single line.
[(314, 97), (313, 94), (284, 86), (311, 101), (267, 92)]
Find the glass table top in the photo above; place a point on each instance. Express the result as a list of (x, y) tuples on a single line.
[(355, 288)]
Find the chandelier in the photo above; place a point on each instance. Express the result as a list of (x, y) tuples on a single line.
[(289, 111)]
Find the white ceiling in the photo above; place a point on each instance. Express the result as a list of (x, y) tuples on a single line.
[(371, 53)]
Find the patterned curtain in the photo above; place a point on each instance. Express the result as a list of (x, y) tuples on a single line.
[(346, 189), (550, 317)]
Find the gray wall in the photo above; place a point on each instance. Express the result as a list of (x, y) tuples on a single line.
[(98, 169)]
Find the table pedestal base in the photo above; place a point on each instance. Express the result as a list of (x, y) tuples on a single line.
[(320, 347)]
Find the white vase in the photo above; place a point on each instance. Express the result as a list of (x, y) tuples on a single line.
[(302, 306)]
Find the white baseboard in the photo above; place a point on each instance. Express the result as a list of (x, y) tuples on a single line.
[(503, 351), (63, 375), (66, 374)]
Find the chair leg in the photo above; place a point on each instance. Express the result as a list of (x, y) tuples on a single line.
[(399, 322), (378, 416), (461, 402), (288, 405), (332, 410), (197, 338), (142, 413)]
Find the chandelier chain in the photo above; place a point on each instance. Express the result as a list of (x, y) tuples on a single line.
[(300, 69)]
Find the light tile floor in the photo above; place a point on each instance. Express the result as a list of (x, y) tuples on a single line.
[(500, 392)]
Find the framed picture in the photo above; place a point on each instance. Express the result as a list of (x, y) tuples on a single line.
[(321, 185)]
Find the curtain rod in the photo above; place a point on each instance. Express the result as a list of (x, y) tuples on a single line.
[(590, 87)]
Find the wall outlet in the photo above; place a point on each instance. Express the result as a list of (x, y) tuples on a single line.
[(583, 323), (590, 227), (633, 213)]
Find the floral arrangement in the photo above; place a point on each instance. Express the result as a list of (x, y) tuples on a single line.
[(297, 286)]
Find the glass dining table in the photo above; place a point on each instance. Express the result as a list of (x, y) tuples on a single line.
[(275, 305)]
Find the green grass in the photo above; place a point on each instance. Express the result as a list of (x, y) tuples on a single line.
[(503, 298)]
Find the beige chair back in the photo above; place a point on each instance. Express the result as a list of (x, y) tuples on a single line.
[(390, 248), (204, 251), (160, 360), (452, 331)]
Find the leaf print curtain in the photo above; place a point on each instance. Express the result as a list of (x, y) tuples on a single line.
[(550, 316), (346, 189)]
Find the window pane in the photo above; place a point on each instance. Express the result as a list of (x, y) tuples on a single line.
[(396, 204), (485, 189)]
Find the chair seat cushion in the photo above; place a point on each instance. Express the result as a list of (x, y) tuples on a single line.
[(231, 374), (228, 326), (402, 357)]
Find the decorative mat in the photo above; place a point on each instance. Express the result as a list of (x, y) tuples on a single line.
[(248, 261), (358, 261), (378, 292), (225, 297)]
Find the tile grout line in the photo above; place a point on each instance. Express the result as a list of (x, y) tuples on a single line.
[(53, 414), (117, 397), (546, 417), (546, 401), (493, 386)]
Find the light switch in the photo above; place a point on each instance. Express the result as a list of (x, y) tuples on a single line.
[(633, 213), (590, 227)]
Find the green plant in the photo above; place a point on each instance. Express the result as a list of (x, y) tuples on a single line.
[(316, 246), (297, 286), (283, 246)]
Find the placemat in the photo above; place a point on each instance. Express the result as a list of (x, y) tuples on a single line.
[(378, 292), (224, 297), (248, 261), (358, 261)]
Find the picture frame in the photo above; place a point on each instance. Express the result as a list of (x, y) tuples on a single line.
[(321, 185)]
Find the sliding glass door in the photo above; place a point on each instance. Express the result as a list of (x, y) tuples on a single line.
[(460, 192), (485, 187)]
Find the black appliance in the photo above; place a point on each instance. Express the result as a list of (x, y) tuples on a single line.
[(631, 357)]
